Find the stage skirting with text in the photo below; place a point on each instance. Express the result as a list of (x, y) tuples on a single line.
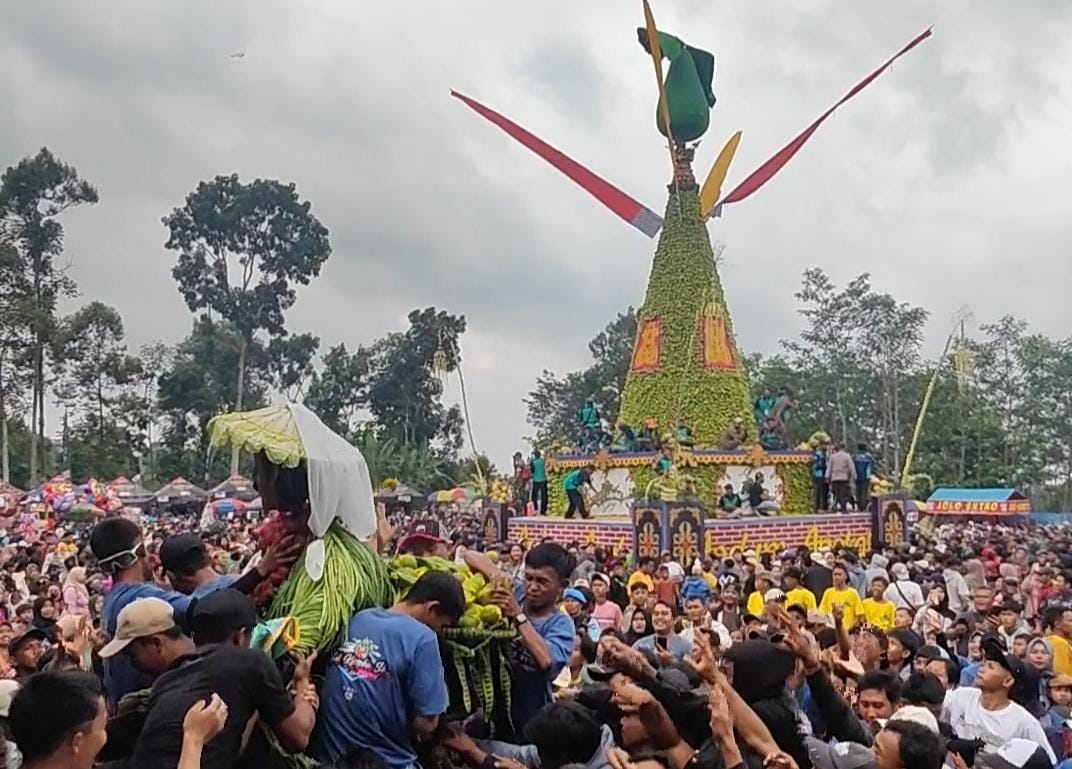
[(763, 535)]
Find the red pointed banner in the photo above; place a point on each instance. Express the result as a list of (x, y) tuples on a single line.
[(634, 212), (763, 174)]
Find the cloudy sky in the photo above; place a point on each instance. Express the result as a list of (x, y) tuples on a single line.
[(946, 180)]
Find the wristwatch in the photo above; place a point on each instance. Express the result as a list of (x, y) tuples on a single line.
[(520, 618)]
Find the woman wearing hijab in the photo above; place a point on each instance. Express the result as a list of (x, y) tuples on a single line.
[(1039, 656), (639, 626), (44, 617), (75, 593)]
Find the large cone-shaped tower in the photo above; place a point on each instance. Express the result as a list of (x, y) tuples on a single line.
[(685, 362)]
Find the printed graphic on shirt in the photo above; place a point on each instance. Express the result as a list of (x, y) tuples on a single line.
[(361, 660)]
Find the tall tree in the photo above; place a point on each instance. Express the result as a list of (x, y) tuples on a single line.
[(554, 402), (94, 360), (404, 389), (33, 194), (262, 232), (14, 347), (338, 390), (290, 362), (198, 385)]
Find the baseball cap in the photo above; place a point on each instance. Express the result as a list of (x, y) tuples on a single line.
[(222, 612), (8, 688), (843, 755), (1017, 753), (30, 634), (994, 652), (573, 594), (1061, 680), (598, 576), (139, 619), (916, 714), (774, 594), (182, 553)]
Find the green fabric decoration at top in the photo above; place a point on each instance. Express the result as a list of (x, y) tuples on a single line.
[(688, 84)]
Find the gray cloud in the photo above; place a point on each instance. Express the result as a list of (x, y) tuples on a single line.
[(934, 179)]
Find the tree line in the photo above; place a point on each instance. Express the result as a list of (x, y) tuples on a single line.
[(240, 251), (1001, 412), (1000, 415)]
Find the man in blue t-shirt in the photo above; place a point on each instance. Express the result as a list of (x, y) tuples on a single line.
[(818, 478), (544, 634), (119, 548), (386, 682)]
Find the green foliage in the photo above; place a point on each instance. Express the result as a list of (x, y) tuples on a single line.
[(273, 241), (797, 489), (290, 362), (337, 391), (404, 389), (554, 402), (199, 385), (412, 465), (683, 278), (33, 193), (265, 230)]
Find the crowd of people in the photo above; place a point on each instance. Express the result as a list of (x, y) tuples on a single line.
[(130, 645)]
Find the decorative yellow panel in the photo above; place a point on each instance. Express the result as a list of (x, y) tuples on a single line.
[(648, 346)]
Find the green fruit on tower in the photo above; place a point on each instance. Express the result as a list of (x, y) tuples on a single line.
[(685, 363)]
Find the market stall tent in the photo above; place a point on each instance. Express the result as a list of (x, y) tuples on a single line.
[(969, 502), (235, 487), (181, 493), (129, 492)]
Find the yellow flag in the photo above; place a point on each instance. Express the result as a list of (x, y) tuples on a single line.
[(712, 186), (657, 60)]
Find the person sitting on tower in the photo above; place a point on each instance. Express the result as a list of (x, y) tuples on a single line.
[(734, 437), (663, 463), (683, 435), (626, 442), (763, 406), (589, 419), (648, 438)]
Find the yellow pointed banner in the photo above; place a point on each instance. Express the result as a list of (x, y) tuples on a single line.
[(657, 60), (712, 186)]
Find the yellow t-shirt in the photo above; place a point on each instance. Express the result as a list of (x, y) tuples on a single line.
[(848, 598), (801, 596), (879, 613), (1062, 654), (710, 579), (755, 604), (639, 576)]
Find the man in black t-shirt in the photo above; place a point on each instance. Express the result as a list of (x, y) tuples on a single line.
[(245, 679)]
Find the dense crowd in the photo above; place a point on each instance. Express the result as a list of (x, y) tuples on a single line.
[(129, 643)]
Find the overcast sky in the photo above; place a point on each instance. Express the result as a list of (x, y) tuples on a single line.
[(947, 179)]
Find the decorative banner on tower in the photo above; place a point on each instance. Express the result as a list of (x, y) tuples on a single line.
[(716, 347), (763, 174), (648, 346), (634, 212)]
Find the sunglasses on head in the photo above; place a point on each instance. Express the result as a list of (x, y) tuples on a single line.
[(123, 559)]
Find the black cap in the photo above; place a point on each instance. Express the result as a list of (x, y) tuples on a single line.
[(183, 553), (30, 634), (993, 651), (222, 612)]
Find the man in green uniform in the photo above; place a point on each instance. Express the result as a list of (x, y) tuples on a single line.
[(539, 483), (572, 485)]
